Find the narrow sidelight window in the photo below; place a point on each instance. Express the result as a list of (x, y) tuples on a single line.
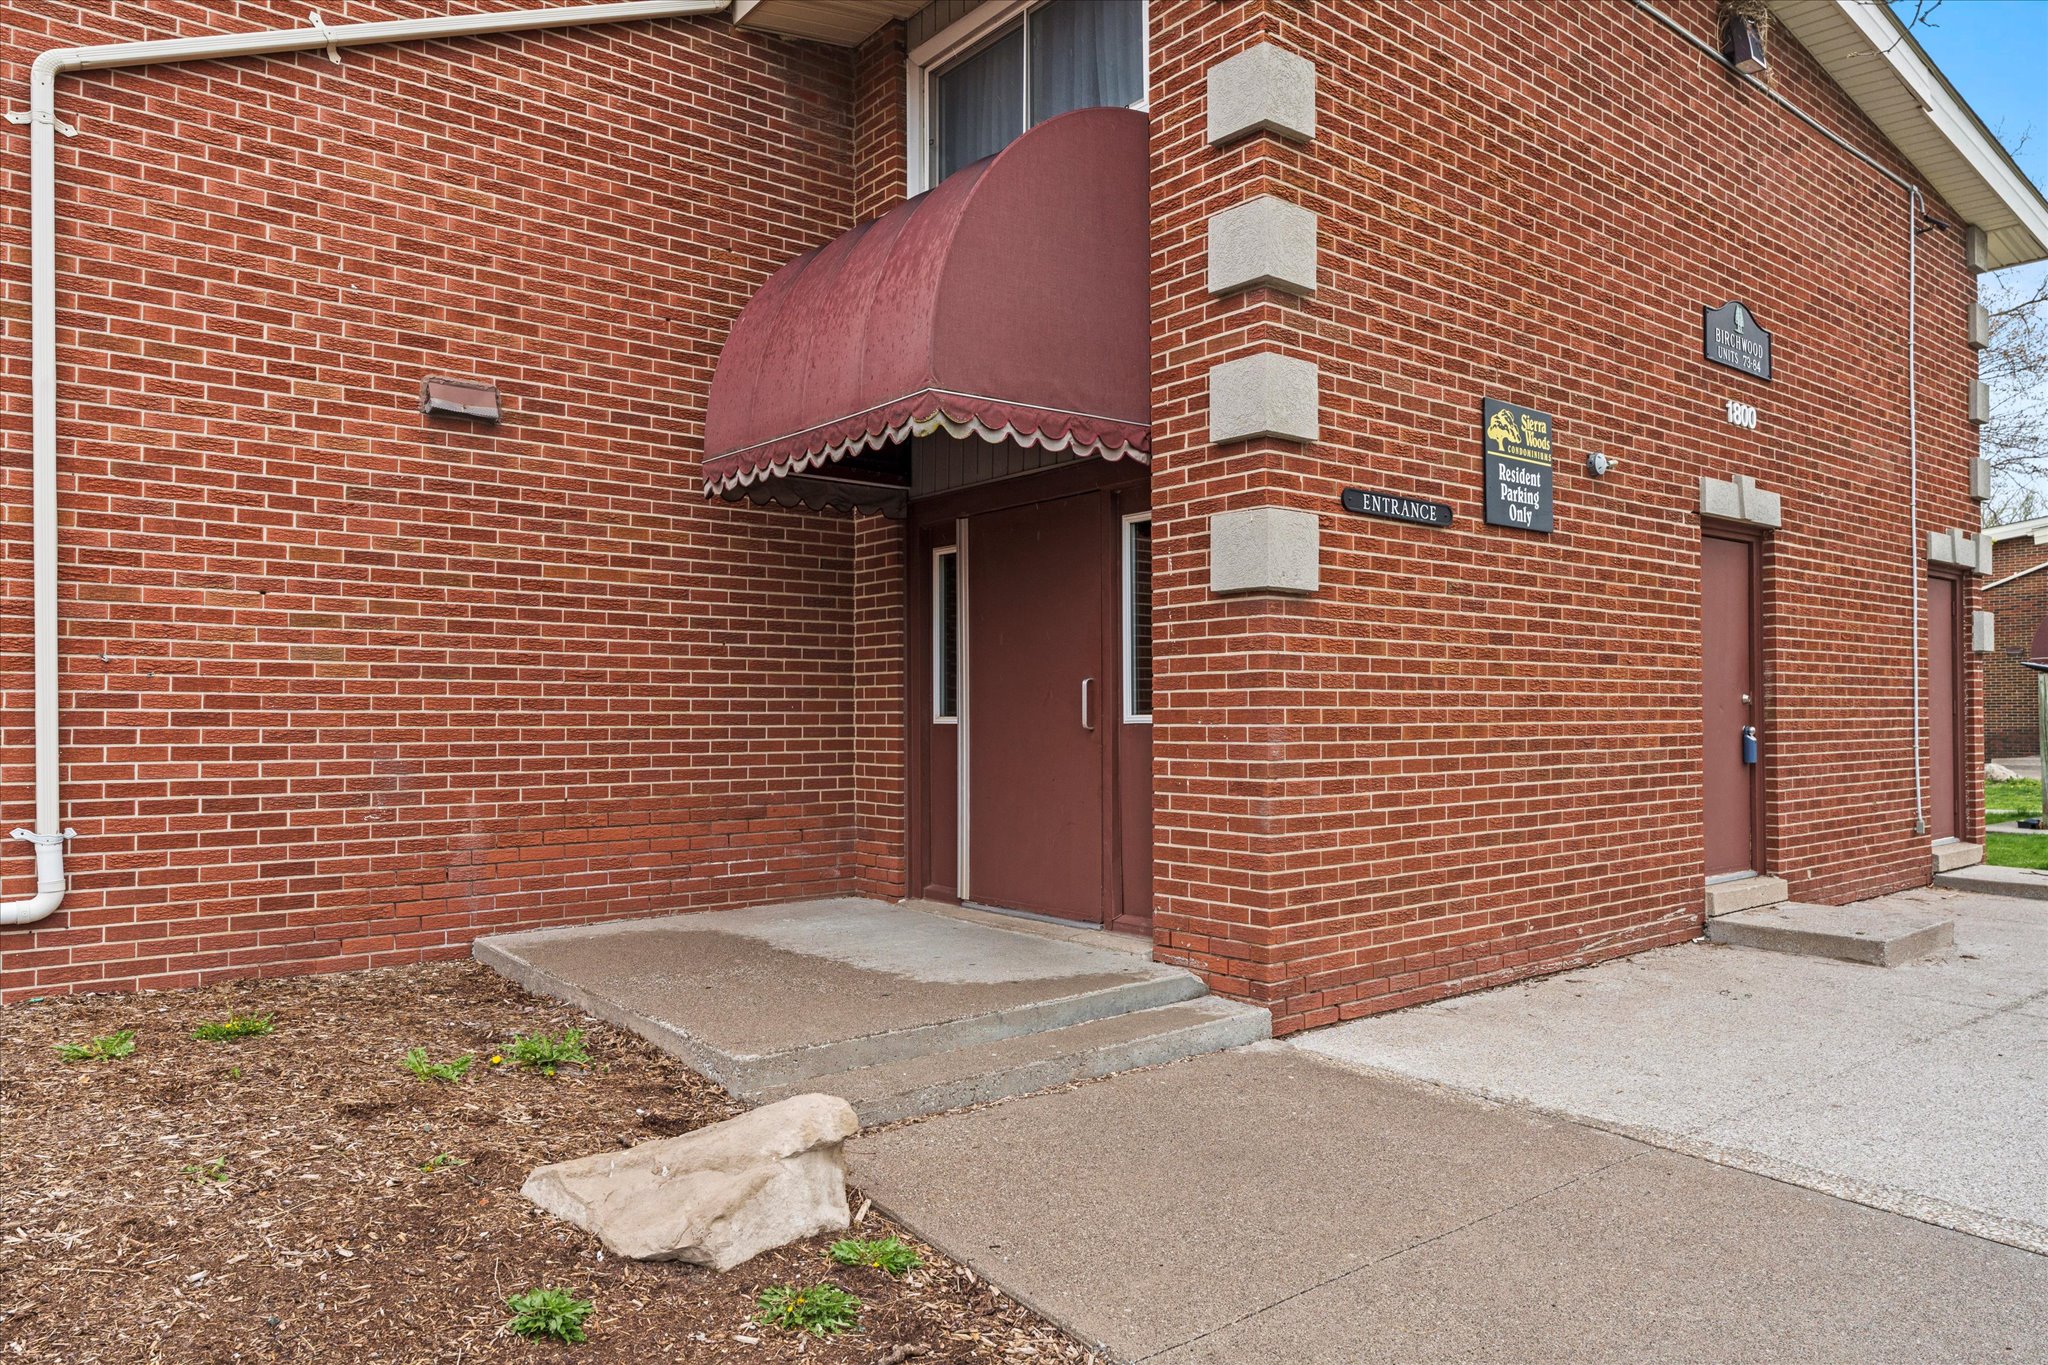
[(1057, 56), (946, 635), (1138, 618)]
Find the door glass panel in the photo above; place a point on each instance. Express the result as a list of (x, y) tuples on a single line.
[(978, 104), (1138, 620), (946, 636), (1086, 53)]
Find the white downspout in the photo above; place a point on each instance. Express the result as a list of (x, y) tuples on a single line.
[(43, 127)]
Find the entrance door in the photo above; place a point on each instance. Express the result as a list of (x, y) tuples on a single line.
[(1729, 629), (1944, 706), (1040, 706)]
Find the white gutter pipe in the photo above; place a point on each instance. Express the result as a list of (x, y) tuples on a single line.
[(43, 127), (1915, 210)]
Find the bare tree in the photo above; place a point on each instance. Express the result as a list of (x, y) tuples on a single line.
[(2015, 365)]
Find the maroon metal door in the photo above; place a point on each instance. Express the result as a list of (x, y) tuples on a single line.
[(1728, 642), (1039, 706), (1944, 708)]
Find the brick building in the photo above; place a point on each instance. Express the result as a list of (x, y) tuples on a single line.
[(1383, 498), (2016, 595)]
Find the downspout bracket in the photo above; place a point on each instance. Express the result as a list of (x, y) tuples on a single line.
[(26, 116)]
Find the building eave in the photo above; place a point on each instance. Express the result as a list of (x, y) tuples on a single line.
[(1866, 50), (842, 23)]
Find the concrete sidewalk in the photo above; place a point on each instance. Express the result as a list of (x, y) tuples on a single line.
[(1268, 1207), (1922, 1088)]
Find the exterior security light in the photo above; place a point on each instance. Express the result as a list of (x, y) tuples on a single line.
[(1744, 46), (440, 395)]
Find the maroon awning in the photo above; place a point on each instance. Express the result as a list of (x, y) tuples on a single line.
[(1009, 303)]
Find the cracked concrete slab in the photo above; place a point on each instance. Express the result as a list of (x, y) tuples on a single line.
[(1268, 1207), (1916, 1088)]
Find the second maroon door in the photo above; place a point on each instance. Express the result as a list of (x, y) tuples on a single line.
[(1944, 707), (1733, 738), (1039, 699)]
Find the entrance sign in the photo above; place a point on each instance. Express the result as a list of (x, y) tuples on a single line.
[(1730, 335), (1516, 442), (1397, 507)]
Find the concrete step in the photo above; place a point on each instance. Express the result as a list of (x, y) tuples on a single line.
[(1954, 853), (2029, 883), (1725, 898), (774, 996), (940, 1081), (1879, 935)]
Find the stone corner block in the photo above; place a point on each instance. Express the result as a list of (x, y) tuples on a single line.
[(1265, 88), (1980, 402), (1980, 326), (1976, 248), (1980, 479), (1265, 395), (1740, 499), (1960, 548), (1983, 632), (1263, 241), (1265, 549), (715, 1197)]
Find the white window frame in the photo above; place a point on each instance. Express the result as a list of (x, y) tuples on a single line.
[(956, 40), (1126, 599), (939, 636)]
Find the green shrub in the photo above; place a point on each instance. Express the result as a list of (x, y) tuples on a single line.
[(890, 1254), (820, 1309), (105, 1049), (552, 1313), (543, 1052), (416, 1062), (235, 1026)]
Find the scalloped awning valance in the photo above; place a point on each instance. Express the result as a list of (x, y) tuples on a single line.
[(1008, 303)]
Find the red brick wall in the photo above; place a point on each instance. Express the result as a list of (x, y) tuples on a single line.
[(1474, 754), (2011, 694), (346, 686)]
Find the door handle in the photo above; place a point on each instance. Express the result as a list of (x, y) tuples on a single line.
[(1087, 703), (1749, 744)]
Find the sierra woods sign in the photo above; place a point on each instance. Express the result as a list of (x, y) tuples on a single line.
[(1516, 443)]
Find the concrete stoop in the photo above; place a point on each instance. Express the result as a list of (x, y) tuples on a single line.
[(2028, 883), (1953, 854), (954, 1079), (1746, 893), (1877, 934), (898, 1010)]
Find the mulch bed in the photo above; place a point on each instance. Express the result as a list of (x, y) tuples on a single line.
[(325, 1239)]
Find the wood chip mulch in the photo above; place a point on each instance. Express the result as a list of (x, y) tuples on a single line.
[(268, 1199)]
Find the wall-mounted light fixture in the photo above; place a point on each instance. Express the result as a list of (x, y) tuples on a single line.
[(1743, 44), (441, 395)]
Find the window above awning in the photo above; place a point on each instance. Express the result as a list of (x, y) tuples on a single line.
[(1008, 303)]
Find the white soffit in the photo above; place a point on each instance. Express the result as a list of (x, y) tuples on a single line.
[(1871, 55), (842, 23)]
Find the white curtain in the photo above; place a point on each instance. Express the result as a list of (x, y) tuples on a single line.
[(979, 104), (1086, 53)]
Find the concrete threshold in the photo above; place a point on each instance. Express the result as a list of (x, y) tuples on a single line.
[(1951, 854), (1876, 934), (1745, 893)]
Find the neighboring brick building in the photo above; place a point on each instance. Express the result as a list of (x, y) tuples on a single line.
[(344, 684), (2017, 598)]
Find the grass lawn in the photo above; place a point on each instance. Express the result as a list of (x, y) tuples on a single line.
[(301, 1195), (2016, 850), (2011, 800)]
